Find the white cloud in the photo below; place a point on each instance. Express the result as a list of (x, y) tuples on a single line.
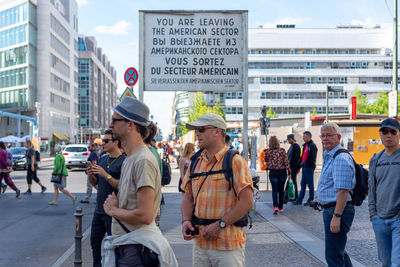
[(82, 2), (287, 20), (119, 28)]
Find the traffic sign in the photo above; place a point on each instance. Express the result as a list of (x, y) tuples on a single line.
[(392, 104), (131, 76), (128, 92)]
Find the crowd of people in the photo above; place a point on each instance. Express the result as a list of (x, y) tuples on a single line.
[(335, 190), (217, 190)]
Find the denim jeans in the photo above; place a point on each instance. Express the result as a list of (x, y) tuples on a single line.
[(307, 179), (101, 225), (278, 187), (335, 244), (387, 235)]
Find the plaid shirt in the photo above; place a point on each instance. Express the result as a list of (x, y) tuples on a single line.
[(215, 199), (338, 173)]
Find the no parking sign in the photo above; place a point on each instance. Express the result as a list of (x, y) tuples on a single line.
[(131, 76)]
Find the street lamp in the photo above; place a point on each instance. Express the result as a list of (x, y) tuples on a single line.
[(330, 88)]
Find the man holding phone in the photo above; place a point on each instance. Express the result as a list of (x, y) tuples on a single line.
[(105, 175), (92, 159)]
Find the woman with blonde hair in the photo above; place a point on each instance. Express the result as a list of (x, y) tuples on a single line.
[(185, 162), (278, 167), (60, 169)]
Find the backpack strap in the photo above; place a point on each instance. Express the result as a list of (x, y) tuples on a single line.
[(193, 162), (379, 156), (227, 167)]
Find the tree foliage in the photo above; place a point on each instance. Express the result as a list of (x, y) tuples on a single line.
[(379, 106), (314, 112), (200, 107), (271, 114)]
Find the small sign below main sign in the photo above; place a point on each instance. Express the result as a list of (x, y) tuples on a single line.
[(128, 92), (131, 76)]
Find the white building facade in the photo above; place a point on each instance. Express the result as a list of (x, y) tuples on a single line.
[(39, 67), (290, 69)]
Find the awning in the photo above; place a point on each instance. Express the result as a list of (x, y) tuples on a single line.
[(62, 137)]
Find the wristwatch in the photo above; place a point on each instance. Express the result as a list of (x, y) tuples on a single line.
[(222, 224), (337, 215), (109, 177)]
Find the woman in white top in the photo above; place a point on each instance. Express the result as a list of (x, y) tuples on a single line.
[(185, 162)]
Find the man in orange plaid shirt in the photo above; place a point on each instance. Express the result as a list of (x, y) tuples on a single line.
[(216, 207)]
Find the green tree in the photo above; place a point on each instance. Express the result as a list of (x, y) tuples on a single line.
[(380, 106), (362, 102), (271, 114), (199, 107), (314, 112)]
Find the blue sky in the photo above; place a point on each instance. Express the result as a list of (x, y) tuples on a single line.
[(115, 25)]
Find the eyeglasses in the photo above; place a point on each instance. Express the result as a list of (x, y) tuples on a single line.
[(326, 135), (385, 131), (105, 141), (114, 120), (203, 129)]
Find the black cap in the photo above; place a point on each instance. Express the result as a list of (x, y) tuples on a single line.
[(290, 136), (390, 123)]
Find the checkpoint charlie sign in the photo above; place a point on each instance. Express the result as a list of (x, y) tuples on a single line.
[(193, 50)]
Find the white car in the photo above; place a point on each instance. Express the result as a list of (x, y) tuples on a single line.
[(76, 156)]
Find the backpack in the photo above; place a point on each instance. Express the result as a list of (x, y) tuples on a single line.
[(228, 173), (360, 190), (37, 155), (166, 174)]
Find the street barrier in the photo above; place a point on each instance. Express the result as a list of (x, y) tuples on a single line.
[(78, 237)]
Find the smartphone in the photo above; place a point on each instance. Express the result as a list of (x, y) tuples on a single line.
[(89, 164)]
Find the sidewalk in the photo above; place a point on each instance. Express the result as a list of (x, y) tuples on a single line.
[(289, 239), (265, 246)]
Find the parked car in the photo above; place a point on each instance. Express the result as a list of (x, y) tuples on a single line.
[(76, 156), (19, 159)]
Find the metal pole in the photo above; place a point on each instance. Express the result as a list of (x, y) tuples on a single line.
[(395, 56), (327, 103), (81, 134), (245, 90), (78, 237)]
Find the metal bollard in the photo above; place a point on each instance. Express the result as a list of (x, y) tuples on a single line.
[(78, 237)]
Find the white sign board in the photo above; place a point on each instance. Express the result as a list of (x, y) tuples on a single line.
[(193, 50), (392, 104)]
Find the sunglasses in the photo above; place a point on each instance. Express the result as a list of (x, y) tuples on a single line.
[(203, 129), (385, 131), (114, 120), (105, 141)]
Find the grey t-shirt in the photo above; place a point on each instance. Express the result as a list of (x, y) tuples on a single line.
[(384, 188), (29, 153), (138, 170)]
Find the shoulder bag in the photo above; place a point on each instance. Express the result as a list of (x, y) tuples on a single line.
[(57, 178)]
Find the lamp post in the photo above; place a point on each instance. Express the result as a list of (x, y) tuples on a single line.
[(77, 129), (330, 88)]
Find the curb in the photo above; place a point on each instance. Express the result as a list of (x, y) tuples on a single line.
[(298, 234)]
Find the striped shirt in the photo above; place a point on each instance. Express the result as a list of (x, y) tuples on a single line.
[(338, 173), (215, 199)]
